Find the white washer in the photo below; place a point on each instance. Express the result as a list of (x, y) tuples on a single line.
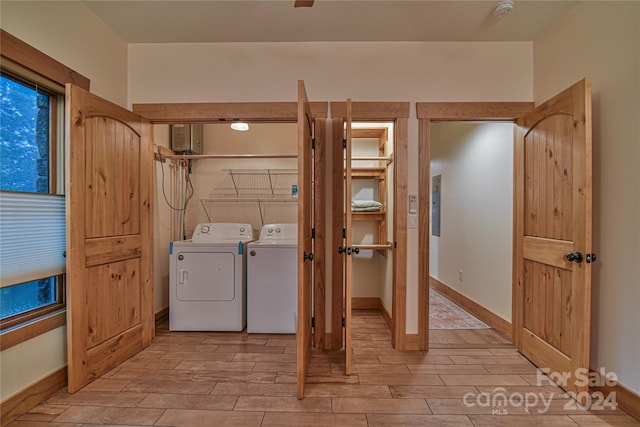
[(207, 279), (272, 280)]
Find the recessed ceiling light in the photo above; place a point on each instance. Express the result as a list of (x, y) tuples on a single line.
[(502, 8), (241, 126)]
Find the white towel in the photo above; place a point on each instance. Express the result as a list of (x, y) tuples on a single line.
[(366, 206)]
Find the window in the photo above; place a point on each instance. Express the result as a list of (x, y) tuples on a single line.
[(32, 209)]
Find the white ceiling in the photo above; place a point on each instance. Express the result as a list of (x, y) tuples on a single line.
[(162, 21)]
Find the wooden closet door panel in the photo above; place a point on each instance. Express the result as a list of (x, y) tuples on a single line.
[(305, 241)]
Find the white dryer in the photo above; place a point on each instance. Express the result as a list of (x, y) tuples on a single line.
[(272, 280), (207, 279)]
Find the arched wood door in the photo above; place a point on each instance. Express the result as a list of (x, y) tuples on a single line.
[(552, 250), (109, 235)]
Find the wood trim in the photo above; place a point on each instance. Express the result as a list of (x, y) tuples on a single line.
[(385, 314), (481, 312), (207, 112), (30, 330), (363, 111), (471, 110), (15, 406), (517, 293), (424, 158), (319, 224), (161, 314), (365, 303), (628, 400), (412, 342), (29, 57), (400, 179)]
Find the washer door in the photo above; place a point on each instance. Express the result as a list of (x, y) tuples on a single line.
[(205, 276)]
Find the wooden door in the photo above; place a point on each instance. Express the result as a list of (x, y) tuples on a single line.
[(348, 271), (305, 243), (109, 236), (552, 251)]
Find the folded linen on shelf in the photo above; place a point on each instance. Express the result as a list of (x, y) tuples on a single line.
[(366, 206)]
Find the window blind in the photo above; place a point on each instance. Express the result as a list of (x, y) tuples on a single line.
[(32, 236)]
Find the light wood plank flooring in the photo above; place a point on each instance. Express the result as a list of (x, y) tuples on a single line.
[(235, 379)]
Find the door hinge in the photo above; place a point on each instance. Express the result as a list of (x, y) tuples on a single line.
[(344, 233), (344, 143), (313, 233), (343, 322), (313, 144), (313, 322)]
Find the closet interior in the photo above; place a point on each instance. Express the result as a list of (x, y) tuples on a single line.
[(370, 196)]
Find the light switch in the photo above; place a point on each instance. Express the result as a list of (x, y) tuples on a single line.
[(413, 221)]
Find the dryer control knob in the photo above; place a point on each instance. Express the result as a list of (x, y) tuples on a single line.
[(252, 253)]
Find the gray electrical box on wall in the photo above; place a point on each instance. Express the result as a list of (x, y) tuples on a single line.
[(186, 138), (435, 202)]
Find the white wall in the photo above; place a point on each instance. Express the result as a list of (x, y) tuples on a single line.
[(383, 71), (601, 40), (475, 161), (70, 33)]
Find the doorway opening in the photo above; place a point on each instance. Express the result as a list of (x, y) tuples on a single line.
[(471, 227), (429, 115)]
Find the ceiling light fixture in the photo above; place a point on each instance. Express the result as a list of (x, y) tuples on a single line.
[(240, 126), (503, 8)]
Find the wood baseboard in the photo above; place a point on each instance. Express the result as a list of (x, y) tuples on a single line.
[(385, 314), (482, 313), (160, 315), (365, 303), (628, 400), (15, 406)]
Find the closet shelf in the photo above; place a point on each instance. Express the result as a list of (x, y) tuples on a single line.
[(368, 216), (369, 173), (257, 196)]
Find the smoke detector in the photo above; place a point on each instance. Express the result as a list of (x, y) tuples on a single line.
[(503, 8)]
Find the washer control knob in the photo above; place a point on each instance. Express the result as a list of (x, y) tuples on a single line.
[(205, 229)]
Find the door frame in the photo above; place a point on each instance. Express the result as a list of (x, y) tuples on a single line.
[(274, 112), (398, 113), (428, 112)]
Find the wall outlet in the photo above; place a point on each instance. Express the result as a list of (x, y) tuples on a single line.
[(460, 275)]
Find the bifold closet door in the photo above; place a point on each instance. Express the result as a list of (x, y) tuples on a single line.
[(305, 242), (348, 271)]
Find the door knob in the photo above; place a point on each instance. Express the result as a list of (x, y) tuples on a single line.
[(575, 257), (591, 258)]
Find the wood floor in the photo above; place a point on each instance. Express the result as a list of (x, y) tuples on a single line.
[(235, 379)]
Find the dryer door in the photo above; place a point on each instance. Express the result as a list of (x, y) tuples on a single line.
[(205, 276)]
